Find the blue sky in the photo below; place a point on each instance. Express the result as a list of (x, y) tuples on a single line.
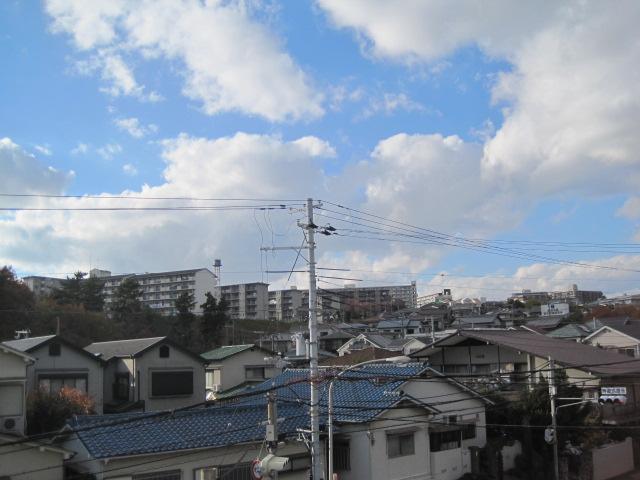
[(481, 130)]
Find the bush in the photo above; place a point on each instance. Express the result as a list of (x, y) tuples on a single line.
[(48, 412)]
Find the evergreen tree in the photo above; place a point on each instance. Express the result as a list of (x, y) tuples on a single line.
[(183, 322), (126, 303), (70, 293), (92, 294), (16, 303), (214, 318)]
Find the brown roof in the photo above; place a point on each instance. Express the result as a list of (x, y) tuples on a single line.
[(573, 354), (359, 356)]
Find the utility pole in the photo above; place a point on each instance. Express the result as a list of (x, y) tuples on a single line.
[(553, 392), (272, 425), (316, 464)]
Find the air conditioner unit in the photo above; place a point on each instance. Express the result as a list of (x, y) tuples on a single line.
[(14, 425)]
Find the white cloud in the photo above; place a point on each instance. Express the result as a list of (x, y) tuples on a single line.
[(229, 61), (570, 100), (22, 172), (43, 149), (109, 150), (130, 169), (134, 128), (80, 149), (389, 103)]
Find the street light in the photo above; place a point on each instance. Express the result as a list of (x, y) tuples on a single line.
[(399, 359)]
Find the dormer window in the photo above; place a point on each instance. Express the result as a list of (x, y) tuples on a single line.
[(164, 351), (54, 349)]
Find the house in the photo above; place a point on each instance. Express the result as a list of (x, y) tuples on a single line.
[(571, 331), (60, 363), (400, 326), (366, 340), (621, 334), (233, 365), (515, 359), (373, 441), (149, 374), (333, 340), (358, 356), (19, 457), (477, 321)]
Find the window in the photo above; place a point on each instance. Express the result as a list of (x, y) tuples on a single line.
[(241, 471), (400, 444), (341, 456), (171, 383), (254, 373), (167, 475), (447, 440), (164, 351), (54, 349), (213, 377), (468, 431), (52, 383), (121, 387), (206, 473), (12, 398)]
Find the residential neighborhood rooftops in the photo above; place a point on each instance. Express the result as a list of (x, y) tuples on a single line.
[(132, 348), (227, 351), (359, 356), (242, 421), (572, 354), (572, 330)]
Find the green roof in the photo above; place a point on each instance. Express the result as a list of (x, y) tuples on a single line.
[(226, 351)]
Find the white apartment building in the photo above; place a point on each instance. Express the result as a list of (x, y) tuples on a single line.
[(439, 297), (290, 305), (160, 290), (246, 300), (42, 286)]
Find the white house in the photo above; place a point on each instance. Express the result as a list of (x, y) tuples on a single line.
[(149, 374), (385, 427), (621, 335), (59, 363), (232, 365), (19, 458)]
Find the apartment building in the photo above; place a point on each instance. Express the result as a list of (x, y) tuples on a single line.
[(160, 290), (440, 297), (42, 287), (290, 305), (246, 300)]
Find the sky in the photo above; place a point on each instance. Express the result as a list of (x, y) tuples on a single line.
[(494, 142)]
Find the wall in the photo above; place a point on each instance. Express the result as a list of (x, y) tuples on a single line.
[(205, 282), (613, 339), (186, 461), (177, 360), (13, 366), (233, 371), (70, 361), (13, 371), (42, 464), (479, 354), (612, 460)]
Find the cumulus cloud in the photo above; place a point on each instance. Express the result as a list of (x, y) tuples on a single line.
[(22, 172), (44, 150), (109, 150), (570, 103), (134, 128), (228, 60), (130, 169)]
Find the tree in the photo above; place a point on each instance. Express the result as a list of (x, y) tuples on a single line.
[(70, 293), (126, 301), (214, 318), (92, 295), (47, 412), (16, 303), (183, 322)]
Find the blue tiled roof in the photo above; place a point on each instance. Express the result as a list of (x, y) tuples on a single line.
[(243, 420)]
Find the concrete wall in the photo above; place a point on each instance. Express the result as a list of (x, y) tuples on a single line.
[(612, 460), (205, 282), (40, 464), (233, 368), (69, 362)]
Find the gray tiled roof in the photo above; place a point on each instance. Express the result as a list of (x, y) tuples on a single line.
[(122, 348), (26, 344), (107, 436)]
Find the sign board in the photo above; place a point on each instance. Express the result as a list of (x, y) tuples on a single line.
[(554, 309), (613, 390)]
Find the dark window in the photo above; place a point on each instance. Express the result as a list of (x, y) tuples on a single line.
[(52, 383), (121, 387), (54, 349), (341, 456), (441, 441), (241, 471), (254, 373), (468, 431), (164, 384), (167, 475), (400, 445), (164, 351)]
